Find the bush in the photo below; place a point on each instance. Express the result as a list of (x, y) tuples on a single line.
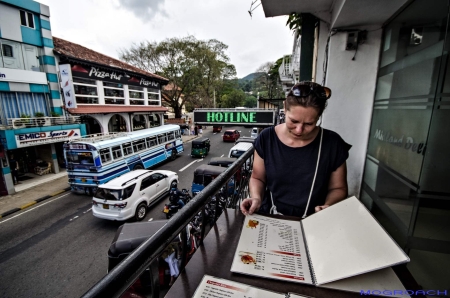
[(54, 114), (39, 114)]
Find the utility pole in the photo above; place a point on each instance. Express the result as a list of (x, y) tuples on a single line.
[(214, 96)]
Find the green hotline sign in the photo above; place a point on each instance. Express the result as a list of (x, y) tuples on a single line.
[(234, 116)]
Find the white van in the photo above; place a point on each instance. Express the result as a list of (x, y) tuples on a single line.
[(239, 149)]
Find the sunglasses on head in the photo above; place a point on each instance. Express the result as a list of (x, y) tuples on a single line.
[(306, 90)]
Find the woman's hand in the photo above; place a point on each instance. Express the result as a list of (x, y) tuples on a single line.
[(250, 205), (319, 208)]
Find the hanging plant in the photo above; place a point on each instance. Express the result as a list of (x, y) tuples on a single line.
[(39, 114), (294, 22)]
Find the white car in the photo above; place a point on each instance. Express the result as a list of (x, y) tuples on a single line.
[(130, 194), (254, 132)]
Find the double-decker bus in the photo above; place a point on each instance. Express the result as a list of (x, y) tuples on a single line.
[(94, 160)]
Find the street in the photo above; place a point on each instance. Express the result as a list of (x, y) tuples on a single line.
[(57, 248)]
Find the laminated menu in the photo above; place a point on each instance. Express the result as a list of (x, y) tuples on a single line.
[(341, 241), (211, 286)]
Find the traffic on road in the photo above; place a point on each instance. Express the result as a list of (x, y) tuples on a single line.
[(59, 248)]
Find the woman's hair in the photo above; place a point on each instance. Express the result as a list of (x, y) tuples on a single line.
[(311, 100)]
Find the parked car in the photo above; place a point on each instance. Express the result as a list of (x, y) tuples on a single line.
[(130, 194), (231, 135)]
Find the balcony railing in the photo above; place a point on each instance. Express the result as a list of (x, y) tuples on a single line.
[(17, 123), (123, 275)]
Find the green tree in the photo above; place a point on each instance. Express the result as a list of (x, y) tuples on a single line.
[(267, 83), (251, 102), (235, 98), (196, 69)]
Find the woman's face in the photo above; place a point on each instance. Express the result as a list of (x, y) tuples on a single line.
[(301, 121)]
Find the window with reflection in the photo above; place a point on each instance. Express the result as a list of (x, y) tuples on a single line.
[(85, 90), (114, 93), (153, 97), (136, 94)]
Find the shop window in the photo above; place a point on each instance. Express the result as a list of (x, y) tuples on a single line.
[(136, 95), (116, 152), (139, 145), (26, 19), (153, 97), (105, 155), (85, 91), (114, 93)]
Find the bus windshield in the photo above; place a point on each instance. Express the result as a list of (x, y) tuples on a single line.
[(84, 158)]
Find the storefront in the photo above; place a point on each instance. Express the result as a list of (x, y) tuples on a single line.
[(109, 98)]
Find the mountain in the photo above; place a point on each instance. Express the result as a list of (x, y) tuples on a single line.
[(251, 76)]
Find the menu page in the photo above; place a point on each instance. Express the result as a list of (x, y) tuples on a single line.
[(217, 287), (273, 248)]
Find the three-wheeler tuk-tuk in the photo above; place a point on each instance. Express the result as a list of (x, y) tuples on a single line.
[(225, 162), (200, 147), (204, 174)]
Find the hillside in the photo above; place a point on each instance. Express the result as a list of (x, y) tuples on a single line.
[(251, 76)]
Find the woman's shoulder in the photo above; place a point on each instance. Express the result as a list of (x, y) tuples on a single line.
[(334, 138)]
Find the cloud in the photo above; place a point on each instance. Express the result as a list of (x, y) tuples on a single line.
[(145, 10)]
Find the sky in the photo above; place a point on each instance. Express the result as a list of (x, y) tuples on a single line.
[(108, 26)]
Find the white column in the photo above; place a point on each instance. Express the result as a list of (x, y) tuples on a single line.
[(145, 96), (100, 92), (127, 95), (54, 161)]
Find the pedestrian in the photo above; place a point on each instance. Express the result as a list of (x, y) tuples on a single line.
[(14, 166), (200, 130), (192, 130), (196, 130), (299, 168), (169, 255)]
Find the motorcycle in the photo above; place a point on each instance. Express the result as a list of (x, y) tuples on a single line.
[(172, 207)]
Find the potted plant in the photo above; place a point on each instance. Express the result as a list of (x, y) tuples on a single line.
[(24, 120)]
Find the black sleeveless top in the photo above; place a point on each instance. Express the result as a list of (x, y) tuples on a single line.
[(290, 171)]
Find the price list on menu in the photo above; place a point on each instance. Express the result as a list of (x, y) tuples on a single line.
[(273, 248), (221, 288)]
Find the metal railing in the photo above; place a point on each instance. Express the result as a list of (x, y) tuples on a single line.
[(17, 123), (121, 277)]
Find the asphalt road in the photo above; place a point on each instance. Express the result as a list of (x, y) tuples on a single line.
[(59, 249)]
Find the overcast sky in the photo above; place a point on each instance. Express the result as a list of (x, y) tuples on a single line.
[(107, 26)]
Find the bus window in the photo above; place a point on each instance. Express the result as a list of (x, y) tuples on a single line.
[(116, 152), (170, 136), (127, 150), (162, 138), (105, 155), (139, 145), (151, 142), (177, 134)]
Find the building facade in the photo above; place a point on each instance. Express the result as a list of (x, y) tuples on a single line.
[(387, 65), (32, 122), (111, 96)]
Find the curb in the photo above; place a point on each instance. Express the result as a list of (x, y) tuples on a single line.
[(33, 203)]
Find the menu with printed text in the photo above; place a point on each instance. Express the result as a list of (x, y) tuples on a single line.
[(339, 242), (274, 248)]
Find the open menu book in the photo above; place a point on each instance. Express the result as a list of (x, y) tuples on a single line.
[(341, 241), (211, 286)]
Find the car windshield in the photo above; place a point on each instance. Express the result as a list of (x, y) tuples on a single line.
[(236, 153), (108, 194), (228, 133)]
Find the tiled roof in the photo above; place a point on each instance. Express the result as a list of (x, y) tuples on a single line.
[(107, 109), (73, 50)]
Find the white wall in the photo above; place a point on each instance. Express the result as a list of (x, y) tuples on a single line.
[(10, 23), (349, 109)]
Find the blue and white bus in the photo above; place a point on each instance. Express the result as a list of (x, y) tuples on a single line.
[(94, 160)]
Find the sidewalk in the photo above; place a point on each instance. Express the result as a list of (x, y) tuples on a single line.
[(40, 188)]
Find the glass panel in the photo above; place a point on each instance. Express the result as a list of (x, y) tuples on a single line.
[(114, 101), (105, 155), (137, 102), (433, 219), (87, 100), (136, 94), (153, 96), (127, 149), (84, 81), (87, 90), (30, 20), (116, 152), (153, 103), (130, 87), (107, 84), (114, 92), (139, 145), (7, 50), (23, 18)]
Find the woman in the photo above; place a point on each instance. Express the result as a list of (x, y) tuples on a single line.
[(302, 166)]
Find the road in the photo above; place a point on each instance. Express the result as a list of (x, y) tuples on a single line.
[(59, 249)]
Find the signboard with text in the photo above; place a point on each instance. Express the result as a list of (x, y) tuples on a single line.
[(96, 73), (47, 137), (255, 117)]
